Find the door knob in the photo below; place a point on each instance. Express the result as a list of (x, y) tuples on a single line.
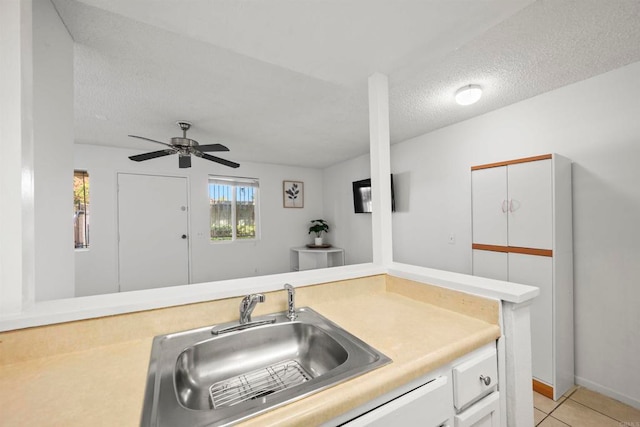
[(184, 236)]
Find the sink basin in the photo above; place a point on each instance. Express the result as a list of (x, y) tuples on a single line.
[(214, 361), (196, 378)]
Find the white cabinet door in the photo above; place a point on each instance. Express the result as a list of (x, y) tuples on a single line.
[(485, 413), (538, 271), (490, 264), (489, 204), (530, 205)]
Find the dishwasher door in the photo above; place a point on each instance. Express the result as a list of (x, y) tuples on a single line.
[(430, 405)]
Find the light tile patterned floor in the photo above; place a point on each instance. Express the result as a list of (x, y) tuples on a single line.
[(581, 407)]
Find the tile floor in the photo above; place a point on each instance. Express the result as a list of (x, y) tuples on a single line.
[(581, 407)]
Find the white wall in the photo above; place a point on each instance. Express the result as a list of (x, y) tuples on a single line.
[(16, 159), (349, 230), (280, 228), (595, 123), (53, 153)]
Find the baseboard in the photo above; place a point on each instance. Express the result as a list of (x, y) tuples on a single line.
[(543, 389), (608, 392)]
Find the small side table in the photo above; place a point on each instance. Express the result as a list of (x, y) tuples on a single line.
[(304, 258)]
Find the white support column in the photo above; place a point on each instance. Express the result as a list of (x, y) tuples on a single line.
[(16, 157), (379, 147), (519, 389)]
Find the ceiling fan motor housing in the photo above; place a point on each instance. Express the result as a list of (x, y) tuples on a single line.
[(184, 142)]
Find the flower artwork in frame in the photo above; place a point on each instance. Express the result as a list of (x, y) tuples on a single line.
[(293, 194)]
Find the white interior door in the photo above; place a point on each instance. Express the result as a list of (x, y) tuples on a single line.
[(153, 227), (489, 204)]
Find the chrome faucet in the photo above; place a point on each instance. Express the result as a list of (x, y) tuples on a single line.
[(291, 302), (247, 305)]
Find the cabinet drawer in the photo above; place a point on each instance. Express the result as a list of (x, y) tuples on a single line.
[(475, 378)]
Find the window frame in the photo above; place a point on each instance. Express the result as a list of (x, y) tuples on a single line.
[(235, 182)]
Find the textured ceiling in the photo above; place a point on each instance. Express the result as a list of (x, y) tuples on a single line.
[(285, 81)]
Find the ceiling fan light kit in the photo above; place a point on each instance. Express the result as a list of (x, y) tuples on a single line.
[(184, 147)]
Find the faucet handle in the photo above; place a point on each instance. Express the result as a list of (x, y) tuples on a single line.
[(247, 305), (253, 297)]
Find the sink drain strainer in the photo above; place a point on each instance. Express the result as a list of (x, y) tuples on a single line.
[(258, 383)]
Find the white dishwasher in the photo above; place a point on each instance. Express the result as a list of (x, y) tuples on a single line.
[(428, 405)]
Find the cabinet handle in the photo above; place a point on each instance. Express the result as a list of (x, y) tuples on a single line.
[(504, 206), (511, 205), (486, 380)]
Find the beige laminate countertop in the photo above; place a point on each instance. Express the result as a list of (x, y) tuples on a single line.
[(104, 384)]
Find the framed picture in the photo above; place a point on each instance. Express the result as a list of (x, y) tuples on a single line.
[(293, 194)]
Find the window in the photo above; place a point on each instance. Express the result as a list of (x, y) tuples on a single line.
[(233, 208), (81, 209)]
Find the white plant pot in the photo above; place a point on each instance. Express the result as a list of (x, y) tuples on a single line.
[(318, 241)]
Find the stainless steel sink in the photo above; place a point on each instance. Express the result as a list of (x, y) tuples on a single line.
[(198, 379)]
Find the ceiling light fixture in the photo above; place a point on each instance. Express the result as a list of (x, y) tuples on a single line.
[(468, 94)]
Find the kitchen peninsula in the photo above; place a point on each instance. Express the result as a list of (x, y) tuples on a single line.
[(94, 371)]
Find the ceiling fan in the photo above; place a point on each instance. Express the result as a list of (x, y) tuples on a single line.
[(184, 147)]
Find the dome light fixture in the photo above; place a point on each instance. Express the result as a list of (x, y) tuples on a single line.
[(468, 94)]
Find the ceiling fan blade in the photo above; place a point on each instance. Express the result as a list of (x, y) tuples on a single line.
[(218, 160), (212, 147), (152, 140), (151, 155), (184, 161)]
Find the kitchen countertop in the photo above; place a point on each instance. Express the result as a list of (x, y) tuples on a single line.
[(104, 384)]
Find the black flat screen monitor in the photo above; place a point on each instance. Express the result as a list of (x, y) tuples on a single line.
[(362, 196)]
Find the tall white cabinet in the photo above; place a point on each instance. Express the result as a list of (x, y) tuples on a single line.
[(522, 233)]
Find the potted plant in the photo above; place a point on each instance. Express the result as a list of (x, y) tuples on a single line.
[(318, 226)]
